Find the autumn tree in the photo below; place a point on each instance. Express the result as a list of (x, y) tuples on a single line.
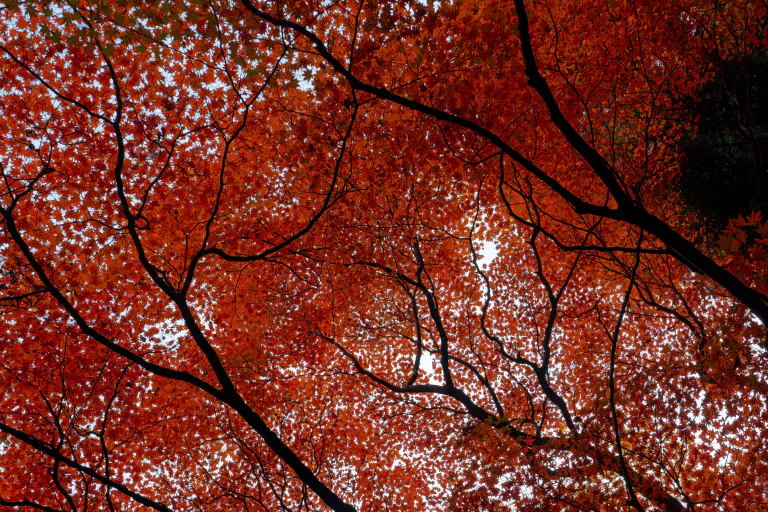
[(375, 256)]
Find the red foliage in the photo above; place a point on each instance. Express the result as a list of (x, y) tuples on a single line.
[(373, 256)]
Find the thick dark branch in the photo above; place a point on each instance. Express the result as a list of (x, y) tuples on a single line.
[(434, 313), (583, 247), (306, 475), (162, 371), (61, 458), (627, 210), (228, 395), (440, 115), (54, 474), (26, 503), (535, 80)]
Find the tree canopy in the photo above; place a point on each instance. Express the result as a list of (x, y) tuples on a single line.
[(407, 255)]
